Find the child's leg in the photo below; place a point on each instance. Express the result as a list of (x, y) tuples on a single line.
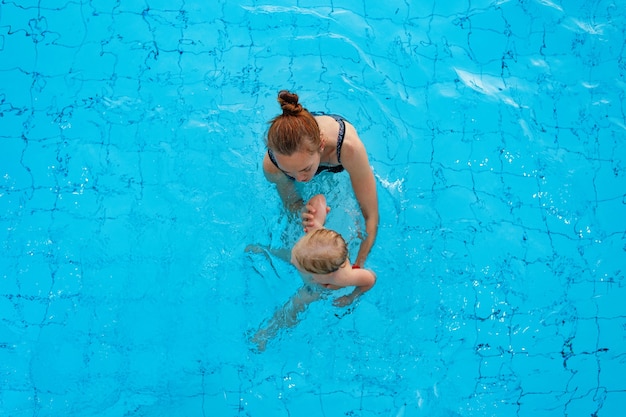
[(287, 316)]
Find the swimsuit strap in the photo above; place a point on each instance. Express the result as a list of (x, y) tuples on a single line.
[(273, 159), (340, 135), (342, 131)]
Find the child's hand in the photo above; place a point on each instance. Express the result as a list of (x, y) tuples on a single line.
[(343, 301), (310, 220)]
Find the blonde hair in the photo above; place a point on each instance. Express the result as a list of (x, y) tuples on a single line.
[(321, 252), (295, 129)]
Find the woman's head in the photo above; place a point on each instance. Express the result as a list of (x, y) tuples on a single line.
[(322, 251), (294, 138)]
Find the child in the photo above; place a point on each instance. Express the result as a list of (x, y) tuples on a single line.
[(321, 257)]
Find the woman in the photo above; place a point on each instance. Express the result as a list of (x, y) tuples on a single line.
[(301, 145)]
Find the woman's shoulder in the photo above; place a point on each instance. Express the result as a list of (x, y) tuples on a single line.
[(325, 121), (352, 147), (269, 168)]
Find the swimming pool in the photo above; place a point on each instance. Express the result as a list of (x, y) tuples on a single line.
[(132, 137)]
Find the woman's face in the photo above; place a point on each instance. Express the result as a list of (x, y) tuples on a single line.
[(300, 165)]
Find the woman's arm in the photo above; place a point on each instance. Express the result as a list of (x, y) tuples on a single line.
[(355, 161), (286, 188)]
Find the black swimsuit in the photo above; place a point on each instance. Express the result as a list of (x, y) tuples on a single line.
[(321, 168)]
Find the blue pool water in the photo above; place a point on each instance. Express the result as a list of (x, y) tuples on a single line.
[(132, 136)]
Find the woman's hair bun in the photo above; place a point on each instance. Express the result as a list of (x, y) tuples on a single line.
[(289, 102)]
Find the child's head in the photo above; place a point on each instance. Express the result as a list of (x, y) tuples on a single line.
[(321, 251)]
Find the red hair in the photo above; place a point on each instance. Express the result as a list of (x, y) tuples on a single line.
[(295, 129)]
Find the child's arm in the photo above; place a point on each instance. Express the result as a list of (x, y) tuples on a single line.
[(363, 280), (314, 214), (280, 253)]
